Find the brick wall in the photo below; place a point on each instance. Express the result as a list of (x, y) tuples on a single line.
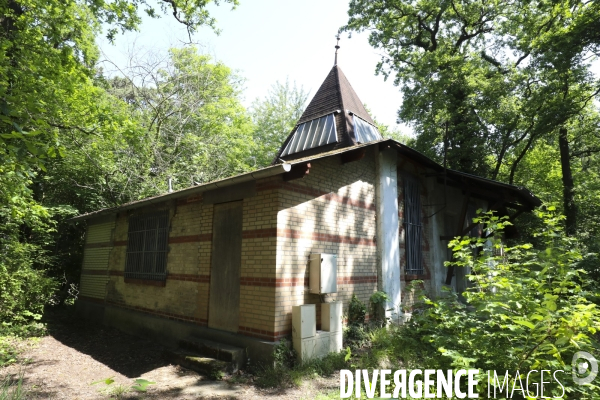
[(184, 295), (331, 210)]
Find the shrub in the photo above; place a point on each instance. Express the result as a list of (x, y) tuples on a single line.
[(24, 289), (524, 309), (377, 310), (356, 311)]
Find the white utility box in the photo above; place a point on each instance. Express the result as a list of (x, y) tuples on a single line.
[(304, 321), (310, 343), (331, 316), (323, 273)]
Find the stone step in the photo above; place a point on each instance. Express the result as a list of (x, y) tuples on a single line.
[(223, 352), (214, 369)]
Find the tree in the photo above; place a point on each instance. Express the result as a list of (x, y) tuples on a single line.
[(48, 96), (196, 129), (484, 82), (274, 118)]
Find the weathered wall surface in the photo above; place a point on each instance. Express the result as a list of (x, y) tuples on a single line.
[(331, 210), (441, 207), (98, 246), (184, 295)]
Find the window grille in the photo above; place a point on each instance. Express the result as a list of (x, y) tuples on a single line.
[(147, 240), (413, 227)]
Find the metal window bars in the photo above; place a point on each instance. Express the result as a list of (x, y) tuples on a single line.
[(147, 241), (413, 227)]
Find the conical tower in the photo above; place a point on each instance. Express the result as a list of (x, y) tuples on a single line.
[(333, 119)]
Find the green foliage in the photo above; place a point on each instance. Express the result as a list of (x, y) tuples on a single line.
[(284, 355), (356, 311), (525, 309), (11, 389), (274, 118), (50, 104), (118, 391), (377, 304), (284, 376)]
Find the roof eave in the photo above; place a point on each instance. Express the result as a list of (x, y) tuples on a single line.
[(247, 177)]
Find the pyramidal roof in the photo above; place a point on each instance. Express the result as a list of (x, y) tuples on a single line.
[(334, 118)]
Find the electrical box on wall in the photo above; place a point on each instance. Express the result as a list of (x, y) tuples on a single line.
[(304, 321), (323, 273), (331, 316)]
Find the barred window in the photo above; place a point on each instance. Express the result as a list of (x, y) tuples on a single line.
[(147, 240), (413, 227)]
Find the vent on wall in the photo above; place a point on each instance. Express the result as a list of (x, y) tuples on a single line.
[(315, 133)]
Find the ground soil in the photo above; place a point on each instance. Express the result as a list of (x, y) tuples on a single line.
[(75, 353)]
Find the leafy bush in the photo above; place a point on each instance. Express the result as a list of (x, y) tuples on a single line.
[(25, 290), (356, 311), (377, 303), (524, 309), (280, 375)]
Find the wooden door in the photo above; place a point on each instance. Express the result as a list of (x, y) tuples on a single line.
[(224, 304)]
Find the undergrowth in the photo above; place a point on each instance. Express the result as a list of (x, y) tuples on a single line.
[(286, 372), (13, 338), (11, 389)]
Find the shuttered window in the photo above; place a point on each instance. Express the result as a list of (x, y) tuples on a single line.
[(413, 227), (147, 240)]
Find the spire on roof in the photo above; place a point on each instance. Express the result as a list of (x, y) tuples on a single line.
[(334, 118), (337, 46)]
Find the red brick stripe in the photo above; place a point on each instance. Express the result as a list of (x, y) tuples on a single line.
[(292, 282), (272, 232), (206, 237), (170, 277), (273, 282), (294, 234), (356, 280), (189, 278), (324, 237), (263, 334)]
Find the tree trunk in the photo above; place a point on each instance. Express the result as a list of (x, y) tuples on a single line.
[(570, 209)]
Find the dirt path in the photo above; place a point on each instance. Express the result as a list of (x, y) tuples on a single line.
[(75, 353)]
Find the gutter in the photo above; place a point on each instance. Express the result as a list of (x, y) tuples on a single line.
[(250, 176)]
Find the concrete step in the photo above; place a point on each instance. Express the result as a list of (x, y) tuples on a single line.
[(214, 369), (223, 352)]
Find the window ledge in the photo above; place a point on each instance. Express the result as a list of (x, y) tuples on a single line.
[(146, 282)]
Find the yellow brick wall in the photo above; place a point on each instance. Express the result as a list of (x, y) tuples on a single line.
[(340, 221)]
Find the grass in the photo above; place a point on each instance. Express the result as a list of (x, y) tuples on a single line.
[(11, 389), (281, 375)]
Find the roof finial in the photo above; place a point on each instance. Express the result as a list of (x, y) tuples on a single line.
[(337, 46)]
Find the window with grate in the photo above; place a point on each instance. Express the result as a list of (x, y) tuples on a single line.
[(413, 227), (147, 240)]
